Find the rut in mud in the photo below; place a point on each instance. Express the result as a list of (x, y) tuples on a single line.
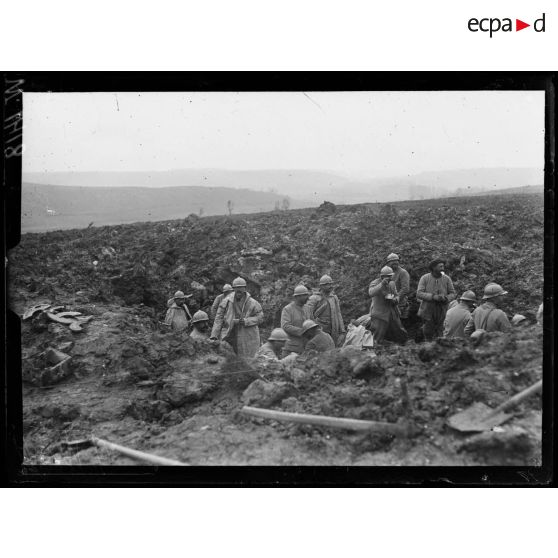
[(132, 383)]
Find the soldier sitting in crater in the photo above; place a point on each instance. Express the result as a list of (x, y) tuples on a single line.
[(316, 339), (275, 344), (200, 325)]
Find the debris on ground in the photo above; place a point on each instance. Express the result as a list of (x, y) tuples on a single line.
[(74, 320)]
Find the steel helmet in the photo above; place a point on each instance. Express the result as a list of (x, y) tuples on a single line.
[(239, 282), (227, 288), (387, 271), (179, 294), (392, 258), (468, 295), (517, 319), (300, 290), (326, 280), (308, 324), (493, 289), (200, 316), (278, 334)]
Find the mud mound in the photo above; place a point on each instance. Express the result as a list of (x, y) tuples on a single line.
[(129, 381), (427, 391), (188, 409)]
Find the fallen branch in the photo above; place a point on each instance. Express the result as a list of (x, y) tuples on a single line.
[(400, 429), (134, 454)]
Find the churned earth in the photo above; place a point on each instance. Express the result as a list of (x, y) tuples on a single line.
[(133, 383)]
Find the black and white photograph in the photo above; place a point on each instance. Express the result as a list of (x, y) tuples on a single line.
[(281, 278)]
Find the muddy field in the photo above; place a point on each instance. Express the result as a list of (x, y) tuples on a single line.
[(131, 383)]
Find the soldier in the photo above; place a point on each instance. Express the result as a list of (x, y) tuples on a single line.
[(384, 311), (237, 320), (402, 284), (458, 316), (274, 347), (200, 325), (488, 317), (227, 289), (324, 309), (435, 291), (292, 318), (178, 316), (316, 339)]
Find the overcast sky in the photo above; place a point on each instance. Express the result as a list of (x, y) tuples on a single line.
[(359, 134)]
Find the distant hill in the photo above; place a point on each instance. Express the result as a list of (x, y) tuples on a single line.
[(311, 187), (538, 189), (76, 207)]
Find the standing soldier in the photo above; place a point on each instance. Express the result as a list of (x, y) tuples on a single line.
[(488, 317), (402, 284), (237, 320), (292, 318), (178, 316), (384, 312), (435, 291), (324, 309), (227, 289), (458, 315)]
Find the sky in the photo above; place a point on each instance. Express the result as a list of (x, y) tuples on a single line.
[(356, 134)]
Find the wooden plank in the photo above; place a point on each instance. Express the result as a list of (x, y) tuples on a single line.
[(135, 454), (332, 422)]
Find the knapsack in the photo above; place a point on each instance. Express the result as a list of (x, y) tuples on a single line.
[(481, 331)]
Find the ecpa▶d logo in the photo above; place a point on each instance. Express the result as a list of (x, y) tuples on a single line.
[(493, 25)]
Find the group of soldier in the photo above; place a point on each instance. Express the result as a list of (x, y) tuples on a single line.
[(309, 322), (313, 321)]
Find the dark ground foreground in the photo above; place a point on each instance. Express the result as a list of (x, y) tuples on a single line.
[(133, 384)]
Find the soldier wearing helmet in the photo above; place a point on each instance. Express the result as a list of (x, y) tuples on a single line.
[(273, 349), (402, 284), (385, 321), (325, 310), (200, 325), (458, 316), (227, 289), (292, 318), (178, 315), (315, 338), (237, 320), (435, 290), (488, 317)]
